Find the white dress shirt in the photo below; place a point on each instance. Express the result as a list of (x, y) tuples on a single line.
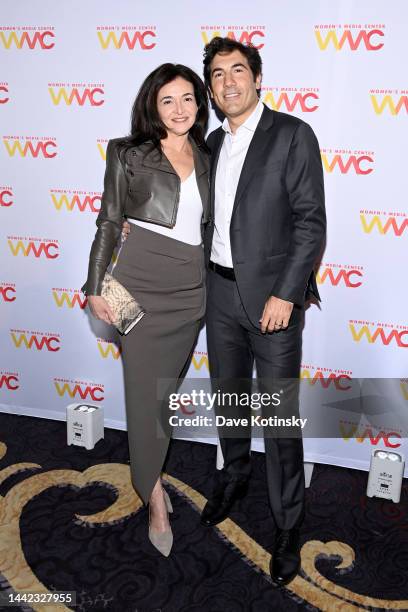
[(230, 162), (190, 210)]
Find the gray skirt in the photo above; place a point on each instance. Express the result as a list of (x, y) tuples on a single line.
[(167, 277)]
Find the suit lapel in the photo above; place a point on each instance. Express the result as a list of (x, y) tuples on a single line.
[(255, 153), (215, 153)]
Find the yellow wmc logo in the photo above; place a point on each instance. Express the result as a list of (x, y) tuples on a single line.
[(393, 105), (70, 202), (312, 587), (384, 224), (108, 349)]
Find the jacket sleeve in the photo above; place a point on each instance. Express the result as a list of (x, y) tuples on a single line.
[(109, 221), (304, 184)]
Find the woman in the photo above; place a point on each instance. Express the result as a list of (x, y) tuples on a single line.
[(157, 179)]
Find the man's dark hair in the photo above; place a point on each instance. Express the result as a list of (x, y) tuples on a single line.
[(145, 121), (226, 46)]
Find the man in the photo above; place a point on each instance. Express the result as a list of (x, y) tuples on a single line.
[(265, 234)]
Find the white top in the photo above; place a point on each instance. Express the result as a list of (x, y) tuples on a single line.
[(230, 162), (188, 222)]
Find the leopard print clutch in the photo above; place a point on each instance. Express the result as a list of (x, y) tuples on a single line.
[(126, 310)]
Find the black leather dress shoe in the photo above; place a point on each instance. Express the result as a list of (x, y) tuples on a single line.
[(285, 562), (219, 505)]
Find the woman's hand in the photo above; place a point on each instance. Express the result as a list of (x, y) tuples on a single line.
[(100, 309)]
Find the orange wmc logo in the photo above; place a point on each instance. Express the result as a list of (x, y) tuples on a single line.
[(350, 36), (37, 247), (9, 381), (337, 274), (36, 340), (8, 292), (326, 377), (385, 333), (4, 89), (384, 222), (79, 389), (247, 35), (82, 201), (127, 37), (31, 146), (32, 37), (6, 196), (350, 431), (69, 298), (391, 101), (102, 143), (346, 161), (304, 99), (81, 94), (108, 349)]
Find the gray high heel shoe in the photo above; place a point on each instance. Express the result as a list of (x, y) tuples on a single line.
[(162, 540)]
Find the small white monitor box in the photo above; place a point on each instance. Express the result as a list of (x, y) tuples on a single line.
[(386, 473), (84, 425)]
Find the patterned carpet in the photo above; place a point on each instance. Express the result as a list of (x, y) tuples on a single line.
[(70, 521)]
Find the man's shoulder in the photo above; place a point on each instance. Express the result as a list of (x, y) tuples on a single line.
[(285, 120), (213, 136)]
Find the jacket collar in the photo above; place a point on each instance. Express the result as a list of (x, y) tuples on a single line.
[(153, 159)]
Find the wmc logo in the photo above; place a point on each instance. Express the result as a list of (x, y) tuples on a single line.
[(350, 36), (8, 292), (383, 222), (200, 360), (36, 340), (338, 274), (82, 201), (80, 94), (346, 161), (27, 37), (6, 196), (34, 146), (37, 247), (291, 99), (350, 431), (79, 389), (386, 333), (4, 89), (69, 298), (108, 349), (9, 381), (127, 37), (248, 35), (102, 143), (326, 377), (390, 101)]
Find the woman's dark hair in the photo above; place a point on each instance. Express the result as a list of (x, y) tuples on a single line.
[(145, 120), (225, 46)]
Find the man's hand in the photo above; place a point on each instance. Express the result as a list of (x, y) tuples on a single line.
[(276, 315), (125, 230)]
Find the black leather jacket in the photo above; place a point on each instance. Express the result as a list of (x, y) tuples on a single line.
[(142, 185)]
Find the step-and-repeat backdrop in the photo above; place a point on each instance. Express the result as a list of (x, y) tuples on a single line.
[(69, 74)]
